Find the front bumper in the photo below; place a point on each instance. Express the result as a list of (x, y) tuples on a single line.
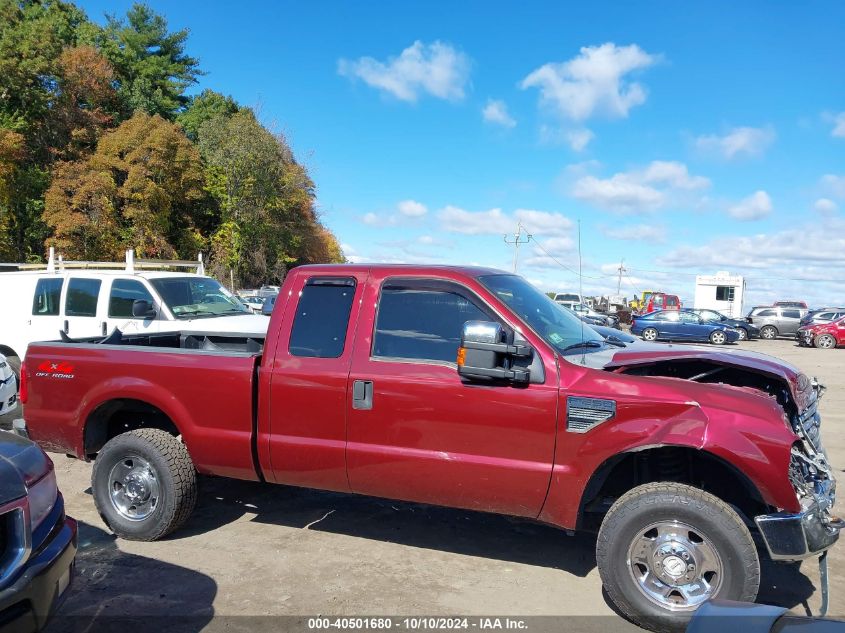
[(795, 536), (27, 604)]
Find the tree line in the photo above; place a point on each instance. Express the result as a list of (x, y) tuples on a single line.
[(102, 149)]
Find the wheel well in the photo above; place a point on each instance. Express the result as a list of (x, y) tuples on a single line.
[(112, 418), (679, 464), (8, 351)]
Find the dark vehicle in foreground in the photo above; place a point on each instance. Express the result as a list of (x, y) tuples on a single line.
[(721, 616), (682, 325), (462, 387), (746, 330), (824, 315), (775, 321), (822, 335), (37, 540)]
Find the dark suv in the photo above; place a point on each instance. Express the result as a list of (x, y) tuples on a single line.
[(37, 540), (775, 321)]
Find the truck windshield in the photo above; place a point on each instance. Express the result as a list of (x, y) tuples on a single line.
[(559, 327), (192, 297)]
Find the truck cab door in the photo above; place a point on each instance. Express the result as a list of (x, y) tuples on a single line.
[(307, 383), (123, 292), (418, 432)]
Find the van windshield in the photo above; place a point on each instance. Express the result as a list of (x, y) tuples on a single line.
[(558, 326), (192, 297)]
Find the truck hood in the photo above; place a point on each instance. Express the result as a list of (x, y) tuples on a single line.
[(21, 463), (250, 324), (653, 353)]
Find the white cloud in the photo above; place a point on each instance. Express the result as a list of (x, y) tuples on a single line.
[(636, 232), (496, 222), (639, 191), (755, 207), (838, 121), (412, 209), (579, 139), (593, 82), (437, 69), (834, 184), (496, 111), (749, 141), (826, 206), (371, 219)]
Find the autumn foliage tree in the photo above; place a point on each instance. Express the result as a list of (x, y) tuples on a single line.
[(141, 189)]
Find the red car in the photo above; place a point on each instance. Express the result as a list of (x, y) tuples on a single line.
[(462, 387), (823, 335), (662, 301)]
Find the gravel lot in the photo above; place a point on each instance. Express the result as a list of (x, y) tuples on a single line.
[(253, 550)]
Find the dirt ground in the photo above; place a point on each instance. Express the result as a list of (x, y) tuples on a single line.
[(253, 550)]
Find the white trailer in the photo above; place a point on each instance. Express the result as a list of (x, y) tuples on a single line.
[(722, 292)]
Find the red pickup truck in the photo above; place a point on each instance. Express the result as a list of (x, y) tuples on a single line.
[(462, 387)]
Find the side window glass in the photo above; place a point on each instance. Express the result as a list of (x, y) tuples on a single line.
[(322, 317), (791, 314), (422, 324), (124, 292), (82, 297), (48, 292)]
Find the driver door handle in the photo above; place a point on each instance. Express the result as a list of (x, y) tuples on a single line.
[(362, 395)]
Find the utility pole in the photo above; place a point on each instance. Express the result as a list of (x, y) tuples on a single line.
[(621, 270), (517, 240)]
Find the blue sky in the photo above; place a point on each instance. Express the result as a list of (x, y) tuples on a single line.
[(685, 137)]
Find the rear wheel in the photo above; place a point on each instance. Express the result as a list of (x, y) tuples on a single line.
[(768, 332), (825, 341), (665, 548), (649, 334), (144, 484), (718, 337)]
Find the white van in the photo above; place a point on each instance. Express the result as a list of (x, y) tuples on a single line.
[(83, 299)]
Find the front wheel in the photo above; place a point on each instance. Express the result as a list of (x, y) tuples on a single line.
[(665, 548), (743, 334), (649, 334), (825, 341), (144, 484), (718, 337)]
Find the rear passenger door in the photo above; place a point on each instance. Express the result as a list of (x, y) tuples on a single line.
[(83, 313), (309, 371), (46, 319), (789, 321)]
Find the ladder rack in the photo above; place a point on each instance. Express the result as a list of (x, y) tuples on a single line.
[(131, 265)]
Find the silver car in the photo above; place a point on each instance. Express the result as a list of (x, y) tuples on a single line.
[(824, 315), (775, 321)]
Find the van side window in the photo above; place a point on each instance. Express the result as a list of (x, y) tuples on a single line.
[(322, 318), (47, 295), (124, 292), (422, 323), (82, 297)]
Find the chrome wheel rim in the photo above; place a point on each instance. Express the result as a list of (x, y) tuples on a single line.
[(718, 337), (825, 341), (768, 333), (649, 335), (742, 334), (674, 565), (134, 488)]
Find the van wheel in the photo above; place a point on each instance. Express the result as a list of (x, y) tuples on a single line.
[(144, 484), (718, 337), (825, 341), (768, 332), (649, 334), (665, 548)]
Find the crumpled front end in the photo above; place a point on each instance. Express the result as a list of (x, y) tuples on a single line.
[(814, 529)]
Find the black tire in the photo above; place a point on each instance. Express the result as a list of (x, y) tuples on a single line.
[(718, 337), (768, 332), (720, 527), (172, 471), (650, 334), (825, 341)]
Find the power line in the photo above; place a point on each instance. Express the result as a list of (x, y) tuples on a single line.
[(561, 264), (517, 240)]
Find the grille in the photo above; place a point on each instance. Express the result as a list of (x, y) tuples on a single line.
[(582, 414), (810, 422), (15, 538)]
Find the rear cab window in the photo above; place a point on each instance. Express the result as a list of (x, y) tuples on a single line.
[(322, 317), (48, 293), (82, 297)]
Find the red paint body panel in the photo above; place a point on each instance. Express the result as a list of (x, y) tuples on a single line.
[(429, 437), (834, 328)]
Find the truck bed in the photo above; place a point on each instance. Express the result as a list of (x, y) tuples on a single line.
[(204, 384)]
